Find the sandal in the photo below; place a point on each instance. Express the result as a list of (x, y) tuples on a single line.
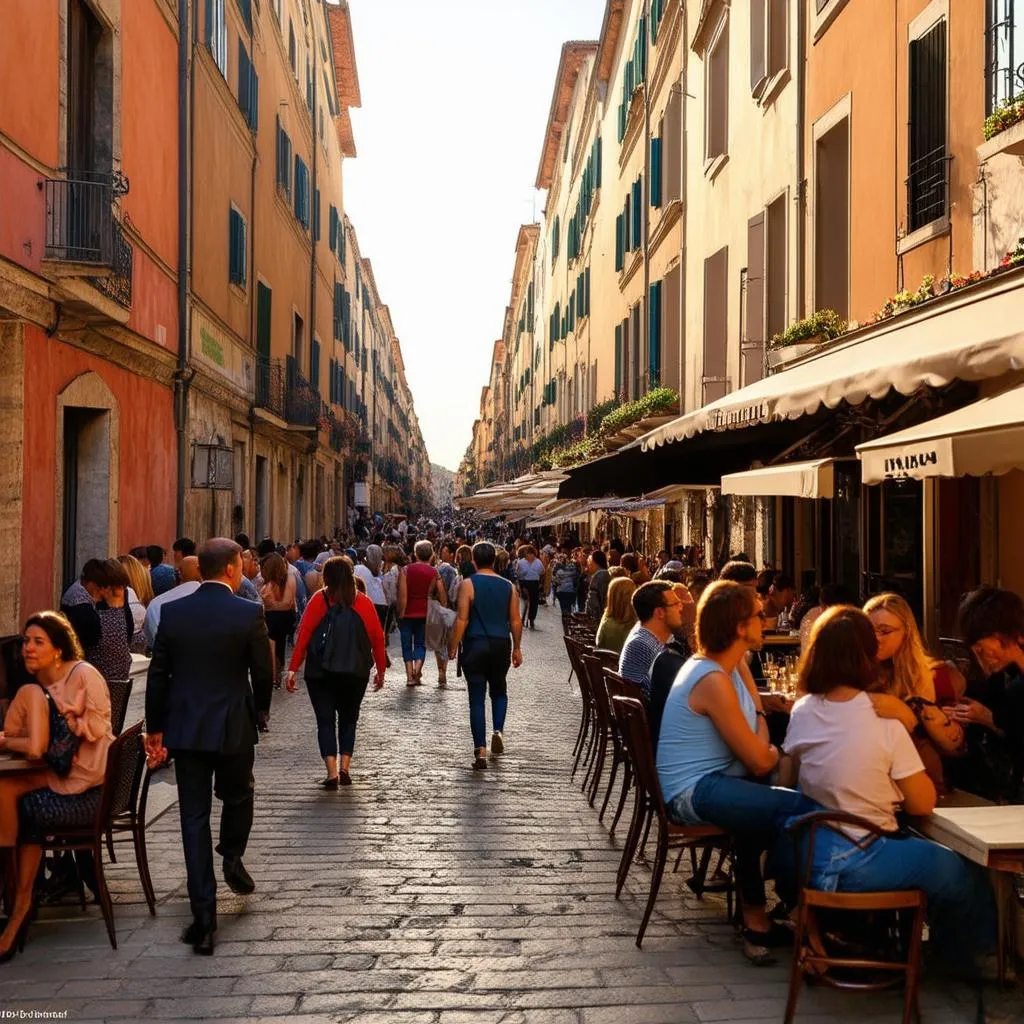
[(754, 949), (776, 936)]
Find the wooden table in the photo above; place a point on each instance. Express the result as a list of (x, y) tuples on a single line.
[(781, 640), (15, 764), (991, 835)]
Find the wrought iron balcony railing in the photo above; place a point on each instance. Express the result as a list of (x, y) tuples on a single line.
[(282, 390), (118, 284)]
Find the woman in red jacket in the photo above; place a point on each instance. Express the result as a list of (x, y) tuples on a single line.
[(336, 698)]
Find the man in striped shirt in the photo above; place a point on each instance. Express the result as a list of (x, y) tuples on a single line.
[(660, 613)]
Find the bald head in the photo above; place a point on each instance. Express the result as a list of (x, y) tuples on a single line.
[(189, 569)]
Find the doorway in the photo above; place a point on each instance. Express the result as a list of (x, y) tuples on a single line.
[(86, 497)]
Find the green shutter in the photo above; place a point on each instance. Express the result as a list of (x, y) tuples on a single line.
[(618, 360), (263, 297), (656, 169), (638, 213), (654, 335)]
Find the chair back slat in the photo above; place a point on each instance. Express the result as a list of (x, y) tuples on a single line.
[(636, 735), (120, 690), (619, 687), (125, 762), (595, 673)]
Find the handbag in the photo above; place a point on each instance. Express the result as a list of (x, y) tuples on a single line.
[(60, 753)]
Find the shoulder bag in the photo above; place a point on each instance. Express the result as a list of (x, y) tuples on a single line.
[(60, 753)]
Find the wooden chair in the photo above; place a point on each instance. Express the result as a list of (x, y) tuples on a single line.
[(604, 732), (636, 735), (120, 690), (811, 900), (577, 651), (595, 689), (125, 760), (616, 686)]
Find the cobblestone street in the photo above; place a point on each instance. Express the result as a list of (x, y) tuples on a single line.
[(425, 894)]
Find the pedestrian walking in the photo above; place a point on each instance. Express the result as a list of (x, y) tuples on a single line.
[(341, 640), (201, 708), (418, 582), (490, 627), (529, 572), (278, 596)]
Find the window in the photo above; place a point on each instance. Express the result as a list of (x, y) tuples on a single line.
[(555, 235), (716, 89), (657, 13), (716, 326), (926, 177), (309, 86), (236, 248), (769, 42), (333, 233), (301, 192), (656, 172), (776, 267), (618, 360), (298, 339), (293, 59), (314, 364), (832, 217), (248, 88), (316, 215), (217, 34), (637, 227), (245, 6), (620, 242), (752, 349), (284, 160), (1004, 52)]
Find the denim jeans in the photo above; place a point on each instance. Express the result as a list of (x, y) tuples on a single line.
[(491, 674), (961, 905), (336, 701), (566, 600), (756, 815), (414, 639)]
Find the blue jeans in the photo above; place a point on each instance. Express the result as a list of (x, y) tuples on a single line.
[(961, 906), (567, 600), (756, 815), (414, 639), (491, 674)]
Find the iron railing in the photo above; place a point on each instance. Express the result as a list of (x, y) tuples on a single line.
[(118, 284), (282, 390), (927, 188), (80, 219), (1004, 52)]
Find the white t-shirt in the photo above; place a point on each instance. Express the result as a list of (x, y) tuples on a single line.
[(374, 587), (850, 759)]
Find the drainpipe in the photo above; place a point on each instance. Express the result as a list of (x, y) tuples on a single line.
[(181, 374), (801, 169)]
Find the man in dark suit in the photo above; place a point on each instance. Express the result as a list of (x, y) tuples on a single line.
[(201, 707)]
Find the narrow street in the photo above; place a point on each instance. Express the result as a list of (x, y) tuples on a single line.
[(425, 894)]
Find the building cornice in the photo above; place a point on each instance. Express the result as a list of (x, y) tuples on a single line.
[(611, 27), (574, 54)]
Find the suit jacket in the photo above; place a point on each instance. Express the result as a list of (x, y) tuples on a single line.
[(198, 692)]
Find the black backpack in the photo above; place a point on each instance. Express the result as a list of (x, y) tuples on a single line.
[(339, 646)]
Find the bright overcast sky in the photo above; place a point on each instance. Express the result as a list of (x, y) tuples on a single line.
[(456, 95)]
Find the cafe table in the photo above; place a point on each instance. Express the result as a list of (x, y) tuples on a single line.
[(15, 764), (991, 835)]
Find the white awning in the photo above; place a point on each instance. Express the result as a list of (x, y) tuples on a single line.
[(814, 479), (984, 437), (969, 336)]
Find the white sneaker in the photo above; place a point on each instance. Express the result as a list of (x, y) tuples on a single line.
[(497, 744)]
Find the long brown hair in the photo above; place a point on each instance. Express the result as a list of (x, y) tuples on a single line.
[(842, 652), (911, 671), (275, 570), (339, 581), (138, 578), (619, 606)]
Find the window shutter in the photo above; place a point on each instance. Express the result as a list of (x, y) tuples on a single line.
[(654, 336), (619, 239), (758, 62), (244, 79), (209, 24), (618, 360), (656, 172), (627, 221), (586, 290), (263, 302), (638, 213), (716, 325), (672, 146), (254, 99), (753, 349), (314, 364), (316, 215), (597, 163)]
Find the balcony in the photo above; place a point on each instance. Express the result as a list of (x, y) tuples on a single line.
[(283, 391), (84, 240)]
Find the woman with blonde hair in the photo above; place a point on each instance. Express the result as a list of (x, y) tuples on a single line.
[(138, 595), (619, 617), (912, 686)]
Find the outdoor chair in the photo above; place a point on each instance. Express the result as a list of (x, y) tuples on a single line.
[(649, 803), (603, 733), (125, 762), (812, 900), (120, 690), (616, 686), (576, 652)]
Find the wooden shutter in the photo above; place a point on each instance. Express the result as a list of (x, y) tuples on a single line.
[(758, 46), (626, 393), (586, 291), (753, 347), (718, 99), (638, 211), (263, 304), (316, 215), (671, 332), (619, 239), (254, 99), (656, 167), (244, 78), (672, 133), (716, 325), (314, 364), (654, 377)]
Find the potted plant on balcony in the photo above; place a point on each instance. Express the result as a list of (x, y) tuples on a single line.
[(1006, 115), (803, 336)]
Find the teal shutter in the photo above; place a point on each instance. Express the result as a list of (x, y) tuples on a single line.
[(656, 166), (654, 335), (638, 213), (254, 100), (597, 163), (619, 246), (244, 79), (586, 291), (618, 360), (263, 303), (236, 248), (316, 215), (314, 364)]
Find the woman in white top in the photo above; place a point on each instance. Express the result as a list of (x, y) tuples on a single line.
[(849, 759)]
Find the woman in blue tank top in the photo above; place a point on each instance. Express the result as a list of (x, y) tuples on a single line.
[(490, 626), (713, 739)]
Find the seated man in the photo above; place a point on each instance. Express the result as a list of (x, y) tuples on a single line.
[(659, 614)]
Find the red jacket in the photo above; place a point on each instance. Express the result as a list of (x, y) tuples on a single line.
[(315, 611)]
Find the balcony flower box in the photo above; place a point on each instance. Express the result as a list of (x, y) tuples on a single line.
[(784, 354)]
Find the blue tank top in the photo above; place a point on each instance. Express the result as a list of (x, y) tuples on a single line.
[(489, 614), (689, 745)]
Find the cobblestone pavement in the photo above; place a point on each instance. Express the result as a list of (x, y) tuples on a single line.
[(426, 894)]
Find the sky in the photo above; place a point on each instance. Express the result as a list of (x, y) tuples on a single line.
[(456, 95)]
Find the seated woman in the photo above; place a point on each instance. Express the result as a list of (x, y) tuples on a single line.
[(911, 687), (53, 655), (848, 758), (713, 737), (619, 617)]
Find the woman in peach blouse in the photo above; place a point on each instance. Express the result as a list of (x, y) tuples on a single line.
[(53, 655)]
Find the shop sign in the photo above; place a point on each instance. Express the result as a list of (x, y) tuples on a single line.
[(362, 494), (744, 416), (220, 354)]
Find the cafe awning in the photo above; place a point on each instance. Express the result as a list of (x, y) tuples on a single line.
[(984, 437), (969, 336), (813, 479)]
